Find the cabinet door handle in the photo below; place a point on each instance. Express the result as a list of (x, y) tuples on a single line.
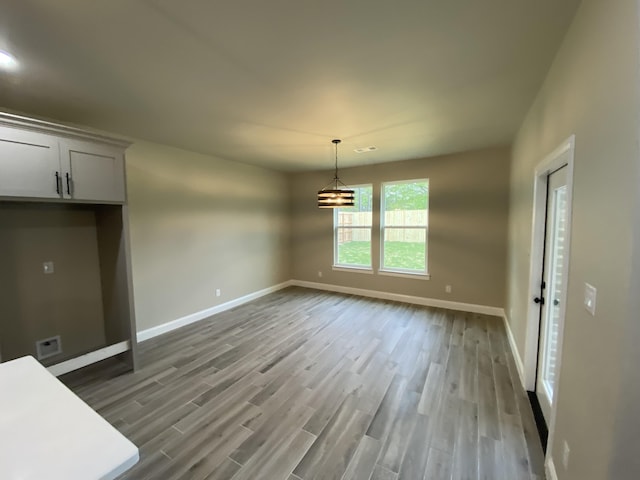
[(68, 183), (58, 183)]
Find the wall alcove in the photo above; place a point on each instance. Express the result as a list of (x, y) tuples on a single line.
[(65, 276)]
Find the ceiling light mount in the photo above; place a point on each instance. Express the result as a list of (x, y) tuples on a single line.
[(7, 61), (334, 195)]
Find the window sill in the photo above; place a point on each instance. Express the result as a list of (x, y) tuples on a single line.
[(344, 268), (415, 276)]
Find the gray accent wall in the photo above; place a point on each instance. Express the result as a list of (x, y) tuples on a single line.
[(35, 306)]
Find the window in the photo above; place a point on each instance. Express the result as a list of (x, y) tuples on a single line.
[(352, 231), (404, 224)]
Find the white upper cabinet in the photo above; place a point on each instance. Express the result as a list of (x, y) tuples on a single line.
[(48, 161), (92, 172), (29, 164)]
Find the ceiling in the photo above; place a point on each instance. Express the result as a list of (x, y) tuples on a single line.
[(272, 82)]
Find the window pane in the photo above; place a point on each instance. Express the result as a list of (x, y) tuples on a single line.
[(405, 249), (550, 354), (354, 246), (363, 199), (404, 225), (405, 218), (348, 218), (406, 204)]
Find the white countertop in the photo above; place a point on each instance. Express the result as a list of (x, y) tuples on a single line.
[(47, 432)]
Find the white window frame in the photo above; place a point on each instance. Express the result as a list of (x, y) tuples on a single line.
[(402, 272), (336, 227)]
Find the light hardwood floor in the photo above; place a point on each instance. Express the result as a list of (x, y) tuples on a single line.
[(303, 384)]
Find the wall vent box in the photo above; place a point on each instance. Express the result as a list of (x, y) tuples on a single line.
[(48, 347)]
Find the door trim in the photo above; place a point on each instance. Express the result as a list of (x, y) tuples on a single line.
[(561, 156)]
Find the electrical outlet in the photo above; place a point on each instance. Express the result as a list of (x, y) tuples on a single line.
[(565, 455), (447, 289), (47, 267), (48, 347), (319, 274), (217, 292)]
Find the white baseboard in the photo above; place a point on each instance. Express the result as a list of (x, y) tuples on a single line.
[(550, 468), (89, 358), (514, 351), (201, 315), (428, 302)]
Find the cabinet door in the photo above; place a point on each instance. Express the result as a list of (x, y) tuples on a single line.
[(92, 171), (29, 162)]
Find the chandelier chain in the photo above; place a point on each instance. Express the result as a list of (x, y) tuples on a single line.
[(335, 177)]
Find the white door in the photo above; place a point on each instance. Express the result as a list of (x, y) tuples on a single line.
[(29, 164), (552, 288)]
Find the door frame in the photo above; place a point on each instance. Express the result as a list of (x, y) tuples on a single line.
[(561, 156)]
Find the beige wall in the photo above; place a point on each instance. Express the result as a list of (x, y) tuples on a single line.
[(68, 302), (199, 223), (468, 206), (591, 91)]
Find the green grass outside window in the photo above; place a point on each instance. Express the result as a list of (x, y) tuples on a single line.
[(398, 255)]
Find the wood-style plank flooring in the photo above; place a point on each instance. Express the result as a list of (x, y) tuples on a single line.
[(303, 384)]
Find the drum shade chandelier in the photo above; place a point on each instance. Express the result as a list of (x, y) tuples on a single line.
[(334, 195)]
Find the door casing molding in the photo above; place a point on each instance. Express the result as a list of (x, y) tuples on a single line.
[(563, 155)]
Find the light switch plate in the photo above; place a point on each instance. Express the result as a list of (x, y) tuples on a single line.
[(47, 267), (590, 298)]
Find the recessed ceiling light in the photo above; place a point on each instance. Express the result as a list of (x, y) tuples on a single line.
[(7, 61), (365, 149)]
